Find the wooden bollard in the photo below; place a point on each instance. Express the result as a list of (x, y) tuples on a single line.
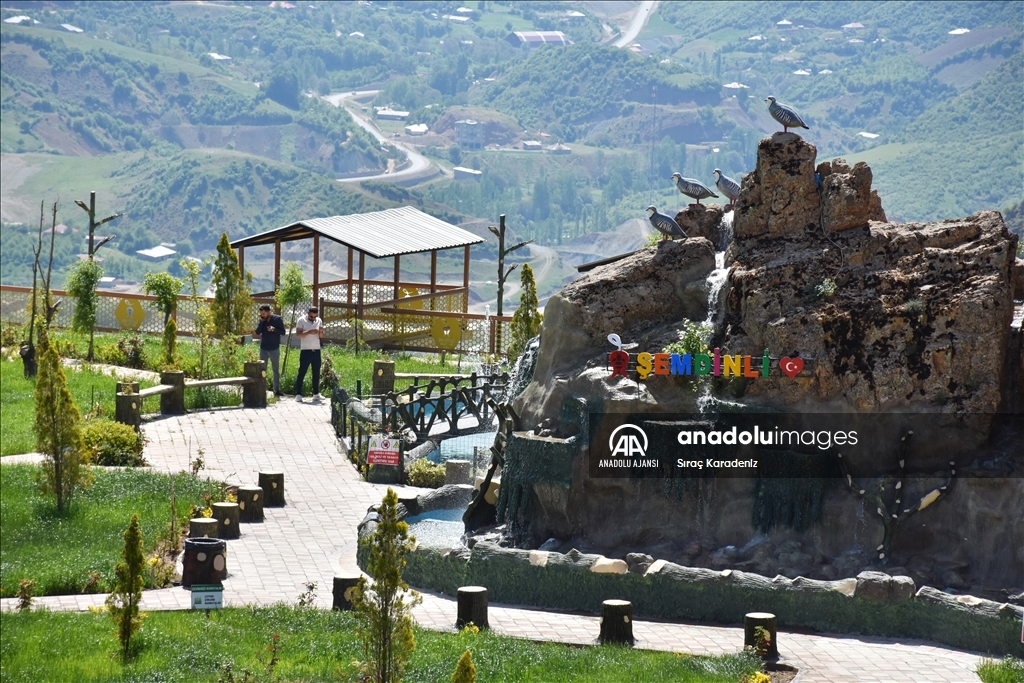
[(272, 484), (202, 527), (254, 394), (250, 504), (767, 621), (128, 409), (344, 587), (458, 472), (472, 607), (173, 402), (616, 622), (226, 515)]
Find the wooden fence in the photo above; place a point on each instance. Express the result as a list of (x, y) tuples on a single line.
[(413, 321)]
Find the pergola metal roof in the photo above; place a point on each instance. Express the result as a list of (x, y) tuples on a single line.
[(380, 234)]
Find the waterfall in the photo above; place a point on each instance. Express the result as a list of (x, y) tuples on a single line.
[(718, 277), (522, 371)]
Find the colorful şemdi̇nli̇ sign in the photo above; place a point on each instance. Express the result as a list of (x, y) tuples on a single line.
[(715, 364)]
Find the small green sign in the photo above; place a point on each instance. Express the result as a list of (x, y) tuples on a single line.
[(207, 596)]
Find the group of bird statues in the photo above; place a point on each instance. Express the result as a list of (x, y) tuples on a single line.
[(697, 190)]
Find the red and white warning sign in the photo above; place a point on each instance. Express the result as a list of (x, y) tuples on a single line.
[(382, 450)]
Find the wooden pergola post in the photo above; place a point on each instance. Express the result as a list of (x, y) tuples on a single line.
[(398, 272), (316, 270), (277, 263), (465, 277), (433, 277), (241, 261), (362, 277), (348, 273)]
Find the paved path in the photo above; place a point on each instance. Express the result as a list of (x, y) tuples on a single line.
[(314, 537)]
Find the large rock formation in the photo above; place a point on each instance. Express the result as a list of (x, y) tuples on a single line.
[(887, 318)]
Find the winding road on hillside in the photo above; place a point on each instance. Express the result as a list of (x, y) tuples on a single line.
[(643, 14), (419, 167)]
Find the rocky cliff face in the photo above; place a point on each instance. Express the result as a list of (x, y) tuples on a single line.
[(887, 318)]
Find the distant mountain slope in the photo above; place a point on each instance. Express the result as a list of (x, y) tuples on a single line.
[(961, 156), (581, 83)]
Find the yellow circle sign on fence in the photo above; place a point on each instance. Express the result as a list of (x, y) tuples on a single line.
[(446, 333), (130, 314)]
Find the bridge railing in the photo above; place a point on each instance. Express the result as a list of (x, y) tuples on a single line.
[(443, 400)]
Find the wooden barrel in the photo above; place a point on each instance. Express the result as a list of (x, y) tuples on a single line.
[(204, 561), (226, 515), (272, 484), (250, 504), (202, 527)]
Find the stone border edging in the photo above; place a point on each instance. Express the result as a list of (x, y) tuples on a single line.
[(871, 604)]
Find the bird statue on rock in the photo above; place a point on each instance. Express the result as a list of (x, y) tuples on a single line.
[(666, 225), (727, 186), (692, 188), (785, 115)]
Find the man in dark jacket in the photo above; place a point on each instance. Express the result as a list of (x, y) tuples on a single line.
[(269, 331)]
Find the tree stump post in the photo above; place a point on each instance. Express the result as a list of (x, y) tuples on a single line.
[(472, 607), (202, 527), (616, 622), (458, 472), (250, 504), (128, 387), (383, 377), (272, 484), (344, 587), (767, 621), (254, 395), (173, 402), (128, 409), (226, 515)]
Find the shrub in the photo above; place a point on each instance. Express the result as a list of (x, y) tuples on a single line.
[(465, 671), (426, 474), (123, 602), (113, 443), (25, 589), (1008, 670), (130, 346), (384, 608)]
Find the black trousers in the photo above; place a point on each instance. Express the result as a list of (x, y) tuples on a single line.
[(307, 358)]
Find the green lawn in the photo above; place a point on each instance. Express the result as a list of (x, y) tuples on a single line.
[(60, 552), (314, 646), (17, 402)]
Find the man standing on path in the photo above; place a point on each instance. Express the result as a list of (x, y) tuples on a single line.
[(269, 331), (309, 330)]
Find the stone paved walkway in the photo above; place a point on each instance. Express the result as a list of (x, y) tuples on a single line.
[(314, 537)]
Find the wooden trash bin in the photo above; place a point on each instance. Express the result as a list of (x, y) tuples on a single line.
[(272, 484), (202, 527), (204, 562), (250, 504), (472, 607), (344, 587), (616, 622), (767, 621), (226, 515)]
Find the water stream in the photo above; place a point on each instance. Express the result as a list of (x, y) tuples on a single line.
[(715, 283)]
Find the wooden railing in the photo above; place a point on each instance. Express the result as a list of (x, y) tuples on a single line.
[(443, 400)]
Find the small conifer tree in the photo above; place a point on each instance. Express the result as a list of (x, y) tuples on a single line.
[(292, 292), (526, 320), (465, 670), (170, 345), (232, 301), (123, 602), (57, 427), (383, 610)]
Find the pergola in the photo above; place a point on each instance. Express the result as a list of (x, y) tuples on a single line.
[(392, 233)]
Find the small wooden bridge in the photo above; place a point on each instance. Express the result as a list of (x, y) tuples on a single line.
[(449, 400)]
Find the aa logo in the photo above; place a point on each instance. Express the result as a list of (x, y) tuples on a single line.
[(628, 440)]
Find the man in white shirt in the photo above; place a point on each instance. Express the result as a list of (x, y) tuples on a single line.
[(309, 330)]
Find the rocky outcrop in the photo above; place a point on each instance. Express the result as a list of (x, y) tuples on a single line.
[(887, 318), (705, 220)]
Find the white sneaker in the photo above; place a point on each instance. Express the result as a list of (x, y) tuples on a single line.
[(317, 398), (298, 398)]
